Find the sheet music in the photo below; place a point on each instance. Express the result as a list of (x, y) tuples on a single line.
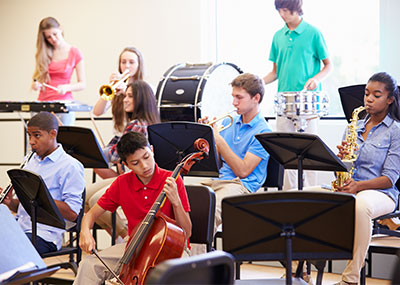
[(27, 266)]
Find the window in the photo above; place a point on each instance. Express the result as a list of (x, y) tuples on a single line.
[(350, 28)]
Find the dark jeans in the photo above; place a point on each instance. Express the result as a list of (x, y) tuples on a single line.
[(42, 246)]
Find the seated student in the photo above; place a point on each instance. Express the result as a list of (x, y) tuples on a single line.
[(376, 166), (62, 174), (244, 160), (141, 108), (135, 192)]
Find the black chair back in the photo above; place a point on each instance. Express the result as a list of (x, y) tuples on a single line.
[(73, 245), (209, 268), (202, 214), (275, 173)]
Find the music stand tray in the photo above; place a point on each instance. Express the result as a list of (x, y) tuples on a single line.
[(172, 141), (82, 144), (36, 199), (300, 151), (16, 250), (290, 225)]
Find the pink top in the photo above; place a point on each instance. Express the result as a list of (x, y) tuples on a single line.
[(60, 73)]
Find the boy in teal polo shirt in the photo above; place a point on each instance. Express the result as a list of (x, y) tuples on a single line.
[(297, 52)]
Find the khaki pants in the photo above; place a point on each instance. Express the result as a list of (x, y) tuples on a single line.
[(93, 194), (369, 205), (222, 189)]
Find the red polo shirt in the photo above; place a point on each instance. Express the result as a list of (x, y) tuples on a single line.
[(136, 199)]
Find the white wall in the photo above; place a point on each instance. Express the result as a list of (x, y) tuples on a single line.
[(167, 32), (389, 37)]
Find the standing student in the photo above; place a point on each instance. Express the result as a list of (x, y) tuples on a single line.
[(62, 174), (56, 60), (135, 192), (298, 51)]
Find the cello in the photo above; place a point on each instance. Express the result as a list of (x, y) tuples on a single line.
[(157, 237)]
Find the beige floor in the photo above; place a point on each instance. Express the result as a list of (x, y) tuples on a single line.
[(248, 271)]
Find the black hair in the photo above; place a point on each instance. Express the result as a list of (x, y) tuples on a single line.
[(44, 121), (131, 142), (392, 88), (292, 5)]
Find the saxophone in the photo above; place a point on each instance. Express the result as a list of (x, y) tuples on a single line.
[(348, 159)]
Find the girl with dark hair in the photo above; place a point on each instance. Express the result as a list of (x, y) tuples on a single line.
[(141, 109), (376, 166)]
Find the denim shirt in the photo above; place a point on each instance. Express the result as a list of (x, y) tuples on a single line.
[(379, 154)]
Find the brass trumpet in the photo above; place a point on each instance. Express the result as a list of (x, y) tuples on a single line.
[(107, 91), (228, 115)]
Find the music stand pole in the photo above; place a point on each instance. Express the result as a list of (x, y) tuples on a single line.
[(288, 233), (33, 220), (300, 171)]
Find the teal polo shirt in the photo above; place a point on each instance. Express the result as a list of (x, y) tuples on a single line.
[(297, 55), (241, 139)]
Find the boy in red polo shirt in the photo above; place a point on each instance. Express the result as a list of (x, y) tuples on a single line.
[(135, 192)]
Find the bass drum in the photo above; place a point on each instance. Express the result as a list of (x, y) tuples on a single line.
[(188, 92)]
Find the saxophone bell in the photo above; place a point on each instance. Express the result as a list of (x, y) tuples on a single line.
[(350, 157)]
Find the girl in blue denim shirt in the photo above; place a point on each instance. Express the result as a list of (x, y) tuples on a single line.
[(377, 165)]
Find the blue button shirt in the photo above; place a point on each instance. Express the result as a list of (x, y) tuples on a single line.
[(64, 178), (240, 137), (379, 154)]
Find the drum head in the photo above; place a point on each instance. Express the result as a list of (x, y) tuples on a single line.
[(191, 91), (217, 95)]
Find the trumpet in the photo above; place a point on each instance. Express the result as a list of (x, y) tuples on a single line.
[(9, 187), (107, 91), (221, 128)]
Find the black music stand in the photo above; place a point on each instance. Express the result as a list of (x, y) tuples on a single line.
[(82, 144), (290, 225), (36, 200), (172, 141), (351, 97), (16, 250), (301, 151)]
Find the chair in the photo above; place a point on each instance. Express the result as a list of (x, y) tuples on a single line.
[(202, 214), (351, 98), (73, 244), (381, 229), (209, 268), (275, 175)]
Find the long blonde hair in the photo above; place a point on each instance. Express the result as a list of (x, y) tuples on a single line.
[(44, 50), (117, 109)]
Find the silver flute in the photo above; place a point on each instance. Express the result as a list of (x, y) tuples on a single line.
[(4, 193)]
